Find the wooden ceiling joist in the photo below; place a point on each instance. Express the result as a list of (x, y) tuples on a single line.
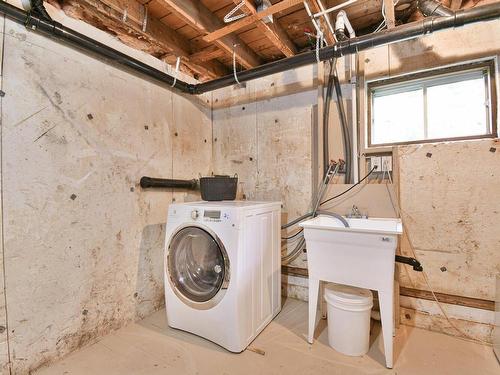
[(249, 20), (207, 54), (273, 31), (194, 30), (390, 18), (455, 4), (151, 35), (202, 19), (315, 8)]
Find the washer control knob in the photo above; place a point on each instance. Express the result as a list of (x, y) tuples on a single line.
[(195, 214)]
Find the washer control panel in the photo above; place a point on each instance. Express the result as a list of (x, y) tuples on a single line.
[(195, 214), (200, 214), (212, 215)]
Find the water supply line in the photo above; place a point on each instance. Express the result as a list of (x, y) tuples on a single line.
[(407, 31), (333, 169), (342, 25)]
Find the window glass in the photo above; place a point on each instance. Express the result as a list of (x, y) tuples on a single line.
[(442, 106), (457, 109), (388, 113)]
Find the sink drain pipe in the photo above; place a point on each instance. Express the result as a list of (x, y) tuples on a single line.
[(353, 45)]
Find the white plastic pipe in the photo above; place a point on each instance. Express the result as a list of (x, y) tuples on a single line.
[(333, 9)]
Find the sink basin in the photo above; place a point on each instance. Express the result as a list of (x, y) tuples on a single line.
[(371, 225), (361, 255)]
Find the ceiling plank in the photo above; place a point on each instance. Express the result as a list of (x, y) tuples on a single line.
[(207, 54), (390, 18), (151, 36), (201, 18), (455, 4), (250, 19), (273, 31)]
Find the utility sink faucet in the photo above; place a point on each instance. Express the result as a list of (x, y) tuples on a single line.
[(355, 213)]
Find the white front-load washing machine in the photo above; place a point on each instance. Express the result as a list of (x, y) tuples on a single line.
[(222, 269)]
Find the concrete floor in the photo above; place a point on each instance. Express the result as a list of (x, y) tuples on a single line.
[(149, 348)]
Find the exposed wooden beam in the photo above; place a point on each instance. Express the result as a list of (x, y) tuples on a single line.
[(390, 18), (451, 299), (207, 54), (273, 31), (201, 18), (455, 4), (250, 19), (151, 36), (315, 8)]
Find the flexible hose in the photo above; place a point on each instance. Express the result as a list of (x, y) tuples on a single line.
[(319, 212), (335, 215), (345, 129), (326, 117), (295, 253), (297, 220)]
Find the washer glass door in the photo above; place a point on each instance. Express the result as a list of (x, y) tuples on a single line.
[(196, 264)]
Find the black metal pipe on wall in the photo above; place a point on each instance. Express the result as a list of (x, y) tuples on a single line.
[(409, 31), (434, 8), (58, 31), (167, 183), (345, 47)]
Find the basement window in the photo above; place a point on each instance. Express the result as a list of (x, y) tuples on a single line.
[(439, 105)]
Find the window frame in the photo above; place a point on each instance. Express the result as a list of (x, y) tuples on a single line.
[(406, 80)]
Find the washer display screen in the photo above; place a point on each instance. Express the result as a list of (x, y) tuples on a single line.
[(212, 214), (196, 264)]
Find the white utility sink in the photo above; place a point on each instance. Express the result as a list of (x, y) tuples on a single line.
[(361, 255)]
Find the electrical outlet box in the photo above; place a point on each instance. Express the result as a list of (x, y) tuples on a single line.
[(376, 161), (386, 164)]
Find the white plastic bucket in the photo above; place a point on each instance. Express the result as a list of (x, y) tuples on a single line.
[(349, 310)]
